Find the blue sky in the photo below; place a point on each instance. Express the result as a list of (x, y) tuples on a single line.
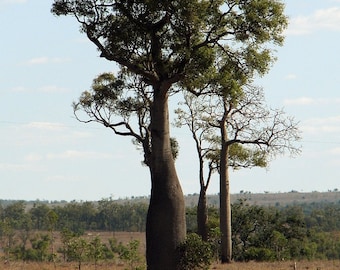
[(46, 154)]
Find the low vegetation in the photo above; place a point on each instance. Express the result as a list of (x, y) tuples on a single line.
[(99, 235), (285, 265)]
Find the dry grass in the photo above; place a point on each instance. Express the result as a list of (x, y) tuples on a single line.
[(125, 237), (315, 265), (304, 265), (60, 266)]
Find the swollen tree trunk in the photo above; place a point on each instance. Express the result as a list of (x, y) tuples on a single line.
[(225, 204), (165, 226)]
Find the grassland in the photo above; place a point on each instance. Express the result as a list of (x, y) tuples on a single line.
[(305, 265), (125, 237)]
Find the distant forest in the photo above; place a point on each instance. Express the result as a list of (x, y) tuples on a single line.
[(291, 226)]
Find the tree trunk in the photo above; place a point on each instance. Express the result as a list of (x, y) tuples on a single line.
[(202, 215), (225, 204), (165, 226)]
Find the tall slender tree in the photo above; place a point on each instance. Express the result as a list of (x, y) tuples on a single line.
[(167, 44), (244, 119), (196, 114)]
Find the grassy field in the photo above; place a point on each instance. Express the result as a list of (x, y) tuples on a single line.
[(125, 237), (315, 265)]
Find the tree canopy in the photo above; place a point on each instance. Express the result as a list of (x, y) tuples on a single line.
[(169, 46), (177, 40)]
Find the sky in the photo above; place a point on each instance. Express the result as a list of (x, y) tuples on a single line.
[(46, 154)]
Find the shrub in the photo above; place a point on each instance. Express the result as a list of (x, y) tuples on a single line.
[(195, 253), (260, 254)]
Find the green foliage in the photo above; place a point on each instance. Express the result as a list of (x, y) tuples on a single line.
[(259, 254), (174, 147), (38, 251), (279, 245), (195, 253), (96, 250), (15, 214), (241, 156), (163, 38), (130, 254), (167, 44), (39, 213), (307, 231), (77, 250), (40, 243)]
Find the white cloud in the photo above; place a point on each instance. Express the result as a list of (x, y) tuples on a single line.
[(45, 126), (322, 125), (46, 60), (8, 2), (62, 178), (12, 167), (16, 167), (47, 133), (34, 157), (43, 89), (335, 151), (323, 19), (52, 89), (72, 154), (37, 61), (311, 101), (20, 89), (299, 101), (291, 77)]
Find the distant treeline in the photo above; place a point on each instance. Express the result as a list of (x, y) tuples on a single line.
[(301, 231), (105, 215), (130, 215)]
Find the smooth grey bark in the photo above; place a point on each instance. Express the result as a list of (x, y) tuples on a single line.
[(166, 226), (225, 204)]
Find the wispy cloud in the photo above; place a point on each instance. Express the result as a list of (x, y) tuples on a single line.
[(42, 89), (62, 178), (291, 77), (13, 167), (322, 125), (323, 19), (311, 101), (73, 154), (25, 166), (52, 89), (47, 133), (299, 101), (34, 157), (48, 126), (45, 60), (335, 151), (8, 2)]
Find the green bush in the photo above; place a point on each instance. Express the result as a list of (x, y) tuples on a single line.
[(260, 254), (195, 253)]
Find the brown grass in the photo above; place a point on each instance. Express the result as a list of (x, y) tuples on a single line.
[(304, 265), (59, 266), (125, 237)]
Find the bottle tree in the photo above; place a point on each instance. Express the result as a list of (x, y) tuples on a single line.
[(168, 44)]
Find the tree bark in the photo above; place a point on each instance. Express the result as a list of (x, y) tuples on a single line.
[(225, 204), (165, 226), (202, 215)]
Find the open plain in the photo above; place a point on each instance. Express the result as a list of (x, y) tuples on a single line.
[(304, 265), (125, 237)]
